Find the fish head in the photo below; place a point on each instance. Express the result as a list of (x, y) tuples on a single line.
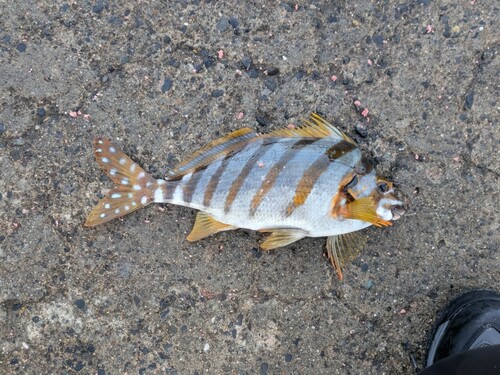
[(386, 201)]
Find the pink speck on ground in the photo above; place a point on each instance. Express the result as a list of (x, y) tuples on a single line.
[(357, 103), (365, 112), (291, 126), (260, 164), (86, 117), (240, 115), (456, 158), (220, 54), (296, 7), (429, 29), (333, 78), (73, 114), (370, 62)]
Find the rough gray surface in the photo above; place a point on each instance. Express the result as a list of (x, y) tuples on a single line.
[(133, 296)]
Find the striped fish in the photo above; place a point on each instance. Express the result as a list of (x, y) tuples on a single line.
[(310, 181)]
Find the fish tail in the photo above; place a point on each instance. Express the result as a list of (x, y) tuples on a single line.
[(134, 187)]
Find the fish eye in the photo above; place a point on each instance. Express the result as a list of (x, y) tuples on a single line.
[(383, 187)]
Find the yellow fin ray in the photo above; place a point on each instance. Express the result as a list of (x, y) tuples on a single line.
[(214, 150), (364, 209), (205, 225), (281, 237), (315, 127), (343, 248)]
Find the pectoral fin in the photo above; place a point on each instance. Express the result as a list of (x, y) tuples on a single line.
[(281, 237), (363, 209), (205, 225), (343, 248)]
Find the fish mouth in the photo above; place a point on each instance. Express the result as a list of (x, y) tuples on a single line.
[(397, 211)]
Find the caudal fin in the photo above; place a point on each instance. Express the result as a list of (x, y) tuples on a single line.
[(134, 187)]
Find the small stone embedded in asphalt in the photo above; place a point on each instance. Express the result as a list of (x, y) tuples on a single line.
[(288, 7), (261, 120), (361, 130), (253, 73), (378, 39), (223, 24), (368, 284), (288, 357), (99, 7), (469, 100), (17, 142), (21, 47), (346, 59), (2, 128), (40, 112), (246, 62), (272, 71), (364, 267), (101, 372), (167, 85), (217, 93), (80, 303), (263, 368), (234, 22), (270, 84)]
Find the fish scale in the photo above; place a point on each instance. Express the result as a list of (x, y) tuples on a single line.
[(310, 181)]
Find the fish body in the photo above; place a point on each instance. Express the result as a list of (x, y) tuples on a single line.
[(311, 181)]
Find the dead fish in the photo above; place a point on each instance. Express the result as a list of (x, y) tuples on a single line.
[(309, 181)]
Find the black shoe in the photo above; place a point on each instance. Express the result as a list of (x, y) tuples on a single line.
[(470, 321)]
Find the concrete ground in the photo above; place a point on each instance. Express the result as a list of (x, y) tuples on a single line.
[(415, 83)]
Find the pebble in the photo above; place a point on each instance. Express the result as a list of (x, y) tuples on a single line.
[(233, 21), (223, 24), (262, 121), (167, 85), (469, 100), (253, 73), (80, 303), (246, 62), (17, 142), (368, 284), (378, 39), (270, 84), (361, 130), (217, 93), (263, 368), (98, 8), (101, 372), (21, 47), (40, 112), (272, 71), (288, 357), (2, 128)]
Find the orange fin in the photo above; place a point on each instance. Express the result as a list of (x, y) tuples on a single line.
[(134, 187), (363, 209), (343, 248), (205, 225), (315, 127), (281, 237), (214, 150)]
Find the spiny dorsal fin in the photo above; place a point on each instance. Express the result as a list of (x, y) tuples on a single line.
[(134, 187), (214, 150), (343, 248), (315, 127), (205, 225), (281, 237)]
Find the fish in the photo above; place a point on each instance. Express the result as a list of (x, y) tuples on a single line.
[(306, 181)]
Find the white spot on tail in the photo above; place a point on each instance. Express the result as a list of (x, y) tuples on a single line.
[(107, 206), (127, 208), (130, 195), (98, 150), (102, 215), (116, 195), (112, 149), (134, 204), (144, 200), (141, 175), (112, 171), (100, 141), (122, 161), (132, 167), (137, 187), (117, 211), (159, 195), (124, 181), (105, 160)]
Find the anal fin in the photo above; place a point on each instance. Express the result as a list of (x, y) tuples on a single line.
[(343, 248), (205, 225), (281, 237)]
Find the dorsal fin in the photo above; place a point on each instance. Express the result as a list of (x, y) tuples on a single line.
[(315, 127), (214, 150)]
